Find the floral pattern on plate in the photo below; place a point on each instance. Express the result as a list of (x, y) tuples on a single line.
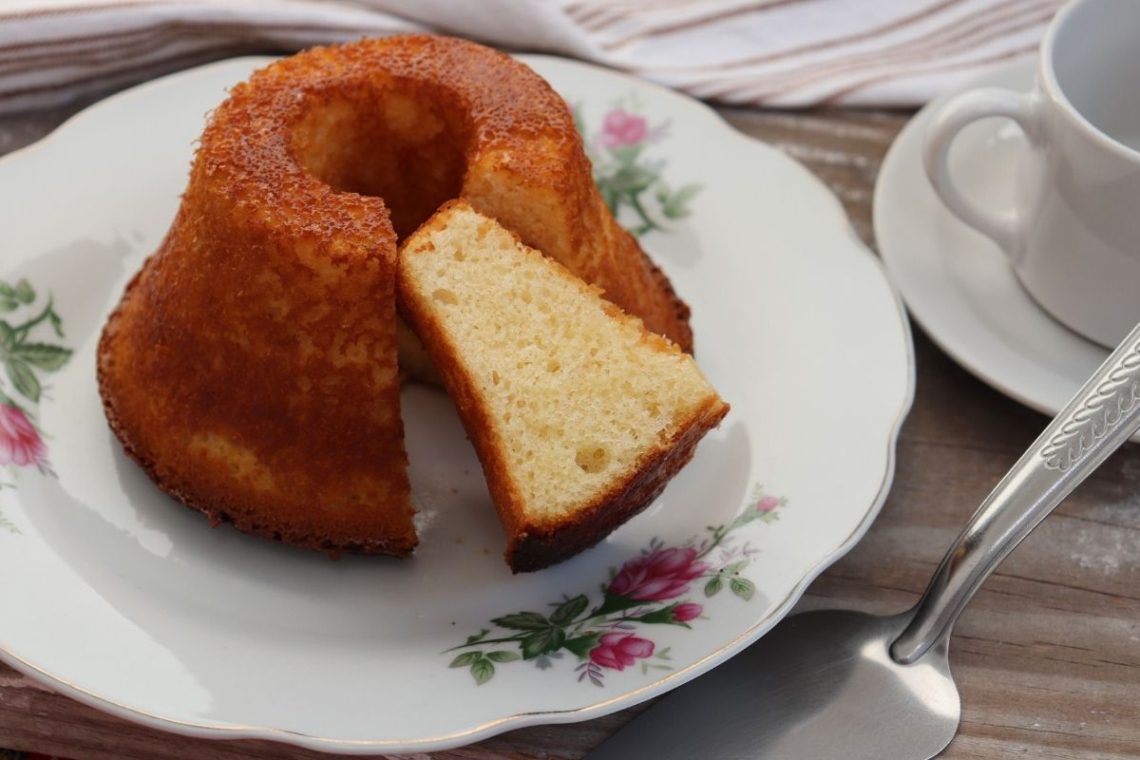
[(25, 355), (650, 589), (624, 172)]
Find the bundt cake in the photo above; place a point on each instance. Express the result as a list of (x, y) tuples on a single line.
[(251, 366), (579, 415)]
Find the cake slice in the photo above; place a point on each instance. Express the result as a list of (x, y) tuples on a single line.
[(579, 415)]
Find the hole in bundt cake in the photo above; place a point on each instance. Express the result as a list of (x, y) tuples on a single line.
[(392, 139), (592, 458)]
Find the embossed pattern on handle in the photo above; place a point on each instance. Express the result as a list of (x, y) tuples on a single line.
[(1106, 408), (1103, 414)]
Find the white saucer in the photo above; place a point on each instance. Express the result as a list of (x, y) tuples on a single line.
[(957, 284)]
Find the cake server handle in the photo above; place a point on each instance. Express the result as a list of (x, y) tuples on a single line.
[(1103, 414)]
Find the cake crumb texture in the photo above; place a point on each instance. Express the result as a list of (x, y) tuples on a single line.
[(578, 413)]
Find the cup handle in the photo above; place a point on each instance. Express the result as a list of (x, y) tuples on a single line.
[(1002, 227)]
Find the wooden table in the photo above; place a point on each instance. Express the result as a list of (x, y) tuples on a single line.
[(1048, 655)]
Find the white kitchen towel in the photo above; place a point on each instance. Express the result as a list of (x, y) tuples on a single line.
[(774, 53)]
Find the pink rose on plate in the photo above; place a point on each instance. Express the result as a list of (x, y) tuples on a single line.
[(619, 650), (683, 613), (767, 504), (20, 444), (621, 128), (663, 574)]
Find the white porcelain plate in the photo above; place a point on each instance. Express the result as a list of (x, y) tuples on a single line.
[(123, 599), (956, 282)]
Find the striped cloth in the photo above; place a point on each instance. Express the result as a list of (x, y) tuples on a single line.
[(776, 53)]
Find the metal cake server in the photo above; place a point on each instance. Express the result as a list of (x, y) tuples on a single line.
[(833, 684)]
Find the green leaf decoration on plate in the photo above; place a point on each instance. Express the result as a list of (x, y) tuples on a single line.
[(465, 659), (713, 587), (482, 670), (523, 621), (569, 610), (23, 379), (742, 587), (28, 352), (43, 355), (627, 173)]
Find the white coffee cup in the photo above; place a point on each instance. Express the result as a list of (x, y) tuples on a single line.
[(1072, 234)]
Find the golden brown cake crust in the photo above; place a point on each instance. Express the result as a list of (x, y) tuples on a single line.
[(227, 503)]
